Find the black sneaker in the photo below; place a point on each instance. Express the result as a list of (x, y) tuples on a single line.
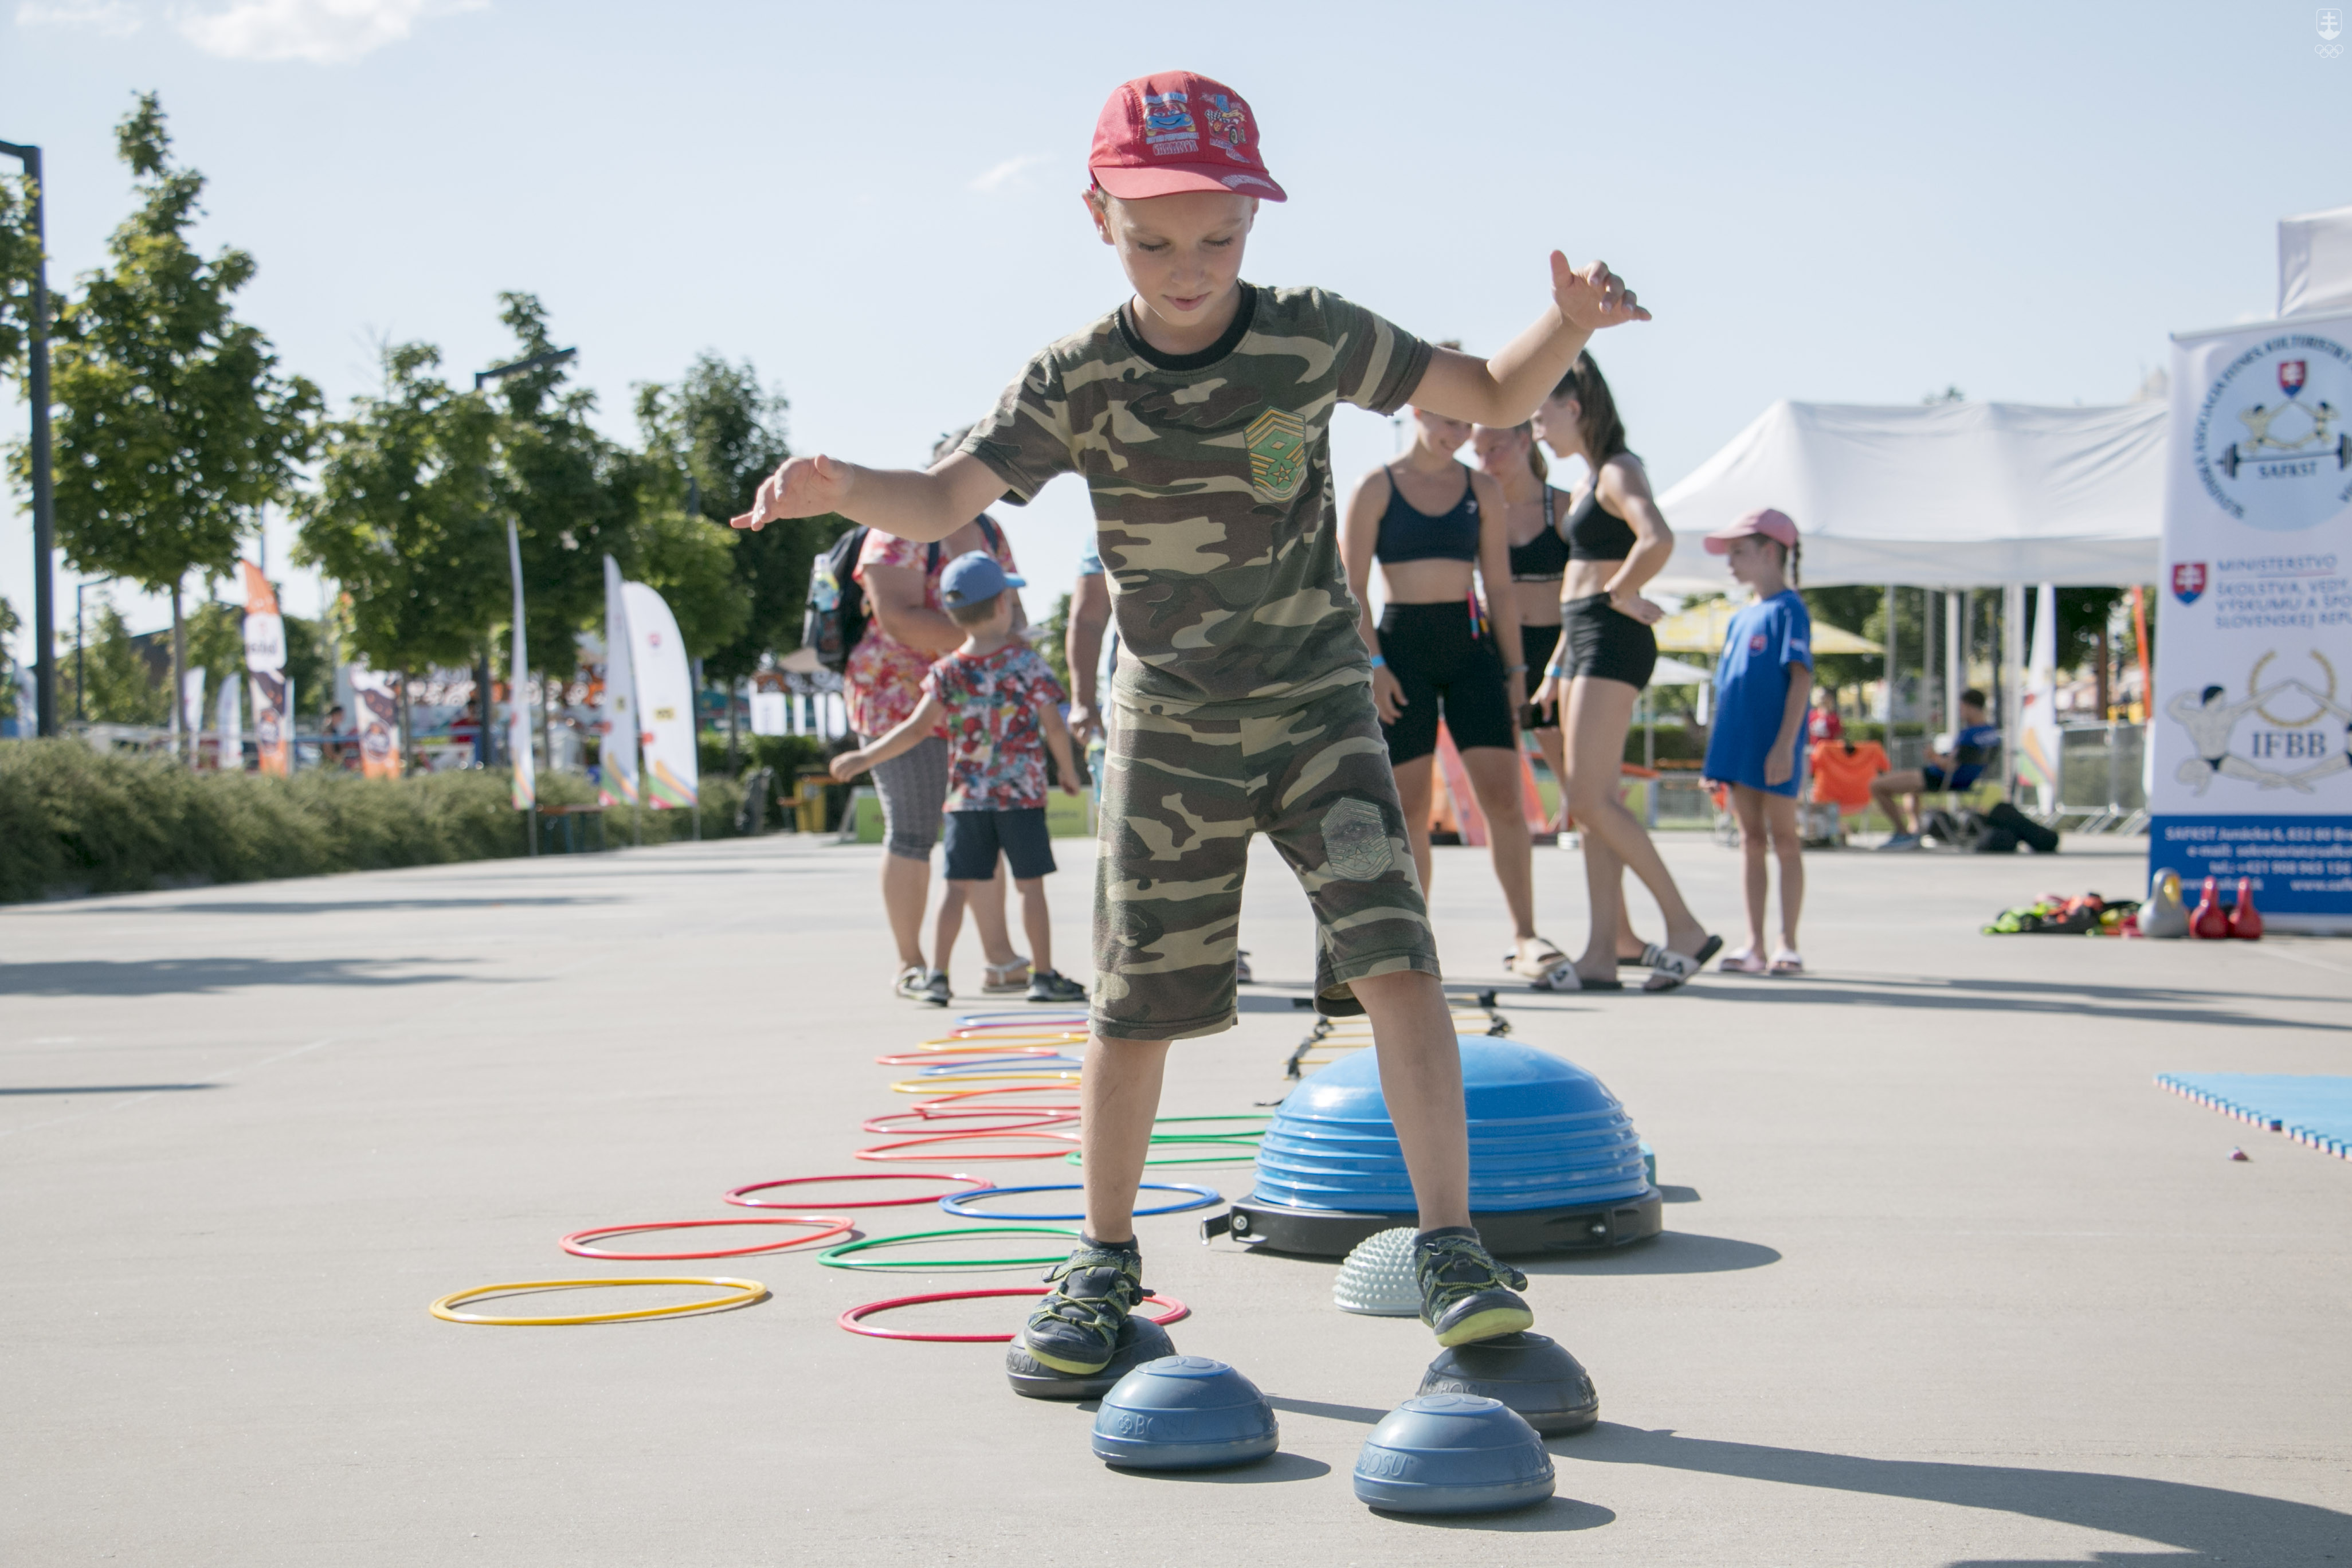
[(1466, 1295), (1046, 985), (1075, 1328)]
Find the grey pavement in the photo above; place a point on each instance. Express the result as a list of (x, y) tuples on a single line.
[(1947, 1279)]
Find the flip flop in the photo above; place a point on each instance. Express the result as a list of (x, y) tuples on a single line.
[(1562, 978), (1534, 959), (1787, 961), (1648, 959), (1673, 968), (1746, 961)]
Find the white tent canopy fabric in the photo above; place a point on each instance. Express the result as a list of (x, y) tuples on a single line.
[(1947, 495)]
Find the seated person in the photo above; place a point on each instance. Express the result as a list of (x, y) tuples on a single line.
[(1977, 744)]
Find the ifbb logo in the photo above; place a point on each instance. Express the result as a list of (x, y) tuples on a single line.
[(2270, 443), (2189, 581)]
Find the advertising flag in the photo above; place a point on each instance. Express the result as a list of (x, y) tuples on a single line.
[(617, 748), (229, 724), (2249, 776), (378, 720), (273, 722), (526, 777), (2037, 750), (192, 702), (265, 629), (664, 694)]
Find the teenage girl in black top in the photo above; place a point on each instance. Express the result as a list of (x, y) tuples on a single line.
[(1618, 540), (1434, 526)]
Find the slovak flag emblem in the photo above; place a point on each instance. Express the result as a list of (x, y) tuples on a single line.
[(2189, 581), (1756, 642), (2290, 375)]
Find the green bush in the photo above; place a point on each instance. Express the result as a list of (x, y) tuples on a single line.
[(75, 821)]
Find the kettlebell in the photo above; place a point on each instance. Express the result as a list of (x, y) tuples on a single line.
[(2246, 920), (2210, 921), (2162, 915)]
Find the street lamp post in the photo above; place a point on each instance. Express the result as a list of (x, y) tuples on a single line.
[(37, 388)]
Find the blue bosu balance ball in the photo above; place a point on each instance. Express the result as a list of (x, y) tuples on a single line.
[(1555, 1163), (1184, 1412), (1452, 1453)]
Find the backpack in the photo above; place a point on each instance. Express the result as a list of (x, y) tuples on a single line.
[(834, 619), (2029, 833)]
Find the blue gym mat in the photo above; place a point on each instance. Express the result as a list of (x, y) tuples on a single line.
[(2311, 1109)]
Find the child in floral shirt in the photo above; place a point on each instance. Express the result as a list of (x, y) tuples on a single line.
[(1000, 708)]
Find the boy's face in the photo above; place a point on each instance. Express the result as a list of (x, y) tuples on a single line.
[(1182, 253)]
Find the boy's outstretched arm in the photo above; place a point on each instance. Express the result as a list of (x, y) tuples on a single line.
[(1507, 388), (918, 728), (920, 505)]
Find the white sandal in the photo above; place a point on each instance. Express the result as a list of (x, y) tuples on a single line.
[(1787, 960), (1673, 968), (1005, 979)]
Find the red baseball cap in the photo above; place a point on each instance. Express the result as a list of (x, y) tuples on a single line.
[(1772, 522), (1175, 131)]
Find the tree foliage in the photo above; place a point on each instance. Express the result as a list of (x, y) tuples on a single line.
[(120, 682), (174, 422), (20, 254)]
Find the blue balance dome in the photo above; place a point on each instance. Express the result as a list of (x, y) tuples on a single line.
[(1553, 1157)]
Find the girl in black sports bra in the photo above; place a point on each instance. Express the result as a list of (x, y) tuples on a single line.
[(1437, 529), (1533, 513), (1617, 541)]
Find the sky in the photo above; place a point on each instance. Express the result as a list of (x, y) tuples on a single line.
[(877, 204)]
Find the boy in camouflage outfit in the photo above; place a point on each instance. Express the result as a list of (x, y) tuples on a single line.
[(1197, 413)]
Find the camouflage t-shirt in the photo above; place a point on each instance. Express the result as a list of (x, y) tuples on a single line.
[(1210, 477)]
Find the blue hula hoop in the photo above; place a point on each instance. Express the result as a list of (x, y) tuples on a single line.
[(1201, 1197), (982, 1067)]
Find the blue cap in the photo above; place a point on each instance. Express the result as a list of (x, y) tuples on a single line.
[(971, 578)]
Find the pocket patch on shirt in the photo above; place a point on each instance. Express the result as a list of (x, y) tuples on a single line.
[(1356, 844), (1277, 453)]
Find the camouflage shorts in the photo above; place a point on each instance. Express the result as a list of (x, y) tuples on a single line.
[(1182, 795)]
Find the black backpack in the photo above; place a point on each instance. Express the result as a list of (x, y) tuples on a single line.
[(834, 619)]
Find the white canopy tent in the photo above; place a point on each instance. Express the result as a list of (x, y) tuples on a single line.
[(1947, 495)]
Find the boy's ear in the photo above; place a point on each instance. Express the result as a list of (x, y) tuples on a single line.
[(1099, 211)]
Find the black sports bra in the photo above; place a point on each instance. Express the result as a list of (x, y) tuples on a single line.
[(1544, 558), (1595, 534), (1408, 534)]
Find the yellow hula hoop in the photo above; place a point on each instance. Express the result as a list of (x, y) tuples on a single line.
[(742, 1293), (995, 1047), (950, 1085)]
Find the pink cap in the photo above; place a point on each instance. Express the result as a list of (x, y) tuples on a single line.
[(1175, 131), (1772, 522)]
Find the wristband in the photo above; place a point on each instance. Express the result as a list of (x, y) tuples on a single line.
[(1380, 661)]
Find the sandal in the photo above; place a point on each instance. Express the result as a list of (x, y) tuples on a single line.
[(1746, 961), (1787, 961), (1562, 977), (1005, 979), (908, 986), (1534, 959), (1673, 968), (1648, 958)]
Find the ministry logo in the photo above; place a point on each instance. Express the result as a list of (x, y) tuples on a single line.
[(2189, 581)]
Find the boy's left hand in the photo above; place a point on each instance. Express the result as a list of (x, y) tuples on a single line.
[(1779, 764), (1069, 785), (1593, 298)]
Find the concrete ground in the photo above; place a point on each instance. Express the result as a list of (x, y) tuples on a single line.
[(1947, 1278)]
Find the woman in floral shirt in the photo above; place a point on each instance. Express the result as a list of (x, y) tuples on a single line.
[(906, 631)]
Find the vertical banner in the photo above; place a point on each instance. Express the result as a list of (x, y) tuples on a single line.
[(2038, 743), (2253, 660), (526, 777), (228, 724), (617, 749), (378, 720), (192, 707), (265, 660), (665, 692)]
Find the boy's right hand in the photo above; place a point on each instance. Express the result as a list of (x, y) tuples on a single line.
[(803, 486), (847, 765), (1388, 694)]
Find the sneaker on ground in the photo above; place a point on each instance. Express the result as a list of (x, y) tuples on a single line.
[(1241, 968), (1901, 841), (1075, 1328), (910, 985), (1046, 985), (935, 989), (1466, 1295)]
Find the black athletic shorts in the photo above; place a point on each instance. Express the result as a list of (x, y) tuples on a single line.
[(975, 837), (1605, 644), (1446, 669), (1537, 643)]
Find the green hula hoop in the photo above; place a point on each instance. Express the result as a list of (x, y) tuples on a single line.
[(1235, 1116), (836, 1256), (1244, 1153)]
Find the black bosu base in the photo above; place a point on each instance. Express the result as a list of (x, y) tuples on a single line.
[(1507, 1232), (1140, 1339)]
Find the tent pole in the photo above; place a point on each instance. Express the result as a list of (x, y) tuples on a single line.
[(1887, 716), (2013, 688)]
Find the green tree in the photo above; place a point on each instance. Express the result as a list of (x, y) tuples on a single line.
[(174, 423), (720, 428), (9, 626), (407, 517), (20, 254), (120, 682)]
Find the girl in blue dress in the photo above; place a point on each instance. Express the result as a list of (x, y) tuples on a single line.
[(1763, 683)]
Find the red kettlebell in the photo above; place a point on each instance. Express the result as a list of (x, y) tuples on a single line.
[(2210, 921), (2246, 920)]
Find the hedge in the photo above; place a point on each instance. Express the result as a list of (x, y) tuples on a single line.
[(74, 821)]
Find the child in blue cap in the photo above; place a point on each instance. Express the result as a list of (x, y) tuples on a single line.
[(999, 707), (1763, 683)]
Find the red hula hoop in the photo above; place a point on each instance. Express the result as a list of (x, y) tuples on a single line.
[(576, 1243), (1046, 1119), (931, 1058), (974, 1183), (853, 1320), (936, 1103), (882, 1151)]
